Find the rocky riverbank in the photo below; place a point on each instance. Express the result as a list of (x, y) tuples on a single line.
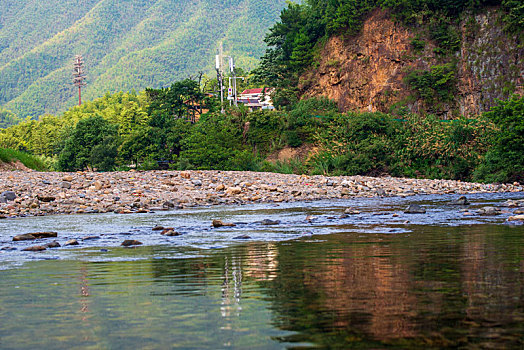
[(27, 193)]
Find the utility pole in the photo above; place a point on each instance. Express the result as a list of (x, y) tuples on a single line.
[(220, 77), (79, 76)]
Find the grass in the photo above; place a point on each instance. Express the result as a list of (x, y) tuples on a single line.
[(30, 161)]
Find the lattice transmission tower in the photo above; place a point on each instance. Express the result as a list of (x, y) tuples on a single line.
[(79, 76)]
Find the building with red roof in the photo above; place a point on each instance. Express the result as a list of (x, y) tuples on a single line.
[(257, 98)]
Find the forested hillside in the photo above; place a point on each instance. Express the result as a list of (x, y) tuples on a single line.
[(131, 44)]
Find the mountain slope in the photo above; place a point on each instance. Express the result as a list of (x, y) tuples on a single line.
[(126, 45)]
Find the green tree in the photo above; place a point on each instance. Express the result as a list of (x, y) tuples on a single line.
[(504, 162), (92, 144)]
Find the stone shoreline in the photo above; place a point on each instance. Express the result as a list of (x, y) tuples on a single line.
[(28, 193)]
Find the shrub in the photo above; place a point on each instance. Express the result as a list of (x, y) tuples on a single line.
[(504, 162)]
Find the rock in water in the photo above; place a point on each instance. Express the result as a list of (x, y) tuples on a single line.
[(414, 209), (242, 237), (158, 228), (268, 222), (516, 218), (170, 233), (71, 242), (24, 237), (489, 211), (460, 201), (219, 223), (36, 248), (90, 238), (130, 242), (53, 244), (45, 234)]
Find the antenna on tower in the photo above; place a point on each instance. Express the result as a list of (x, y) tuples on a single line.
[(79, 76)]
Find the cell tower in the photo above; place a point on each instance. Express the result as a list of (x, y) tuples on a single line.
[(79, 76), (232, 91)]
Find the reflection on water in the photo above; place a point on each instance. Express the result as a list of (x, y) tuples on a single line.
[(434, 287)]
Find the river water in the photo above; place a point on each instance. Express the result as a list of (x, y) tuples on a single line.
[(376, 279)]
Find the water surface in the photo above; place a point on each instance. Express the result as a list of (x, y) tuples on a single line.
[(371, 280)]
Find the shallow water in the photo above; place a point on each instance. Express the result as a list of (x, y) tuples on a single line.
[(370, 280)]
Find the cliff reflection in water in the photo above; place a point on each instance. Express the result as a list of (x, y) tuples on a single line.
[(443, 287), (432, 288)]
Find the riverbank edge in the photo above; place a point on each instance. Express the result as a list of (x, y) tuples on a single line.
[(31, 193)]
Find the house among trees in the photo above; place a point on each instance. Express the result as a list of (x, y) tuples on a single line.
[(257, 98)]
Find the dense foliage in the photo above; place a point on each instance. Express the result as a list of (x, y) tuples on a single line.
[(7, 118), (294, 42), (505, 159), (126, 44), (157, 129)]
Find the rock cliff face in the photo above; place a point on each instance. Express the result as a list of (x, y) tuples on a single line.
[(367, 71)]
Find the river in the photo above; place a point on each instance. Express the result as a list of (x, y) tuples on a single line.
[(378, 278)]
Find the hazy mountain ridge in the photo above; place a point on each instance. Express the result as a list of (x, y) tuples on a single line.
[(126, 45)]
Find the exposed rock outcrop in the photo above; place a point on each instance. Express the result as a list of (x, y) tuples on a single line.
[(367, 71)]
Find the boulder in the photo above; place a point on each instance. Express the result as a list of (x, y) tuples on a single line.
[(158, 228), (488, 211), (233, 191), (24, 237), (460, 201), (414, 209), (268, 222), (66, 185), (220, 223), (130, 242), (168, 204), (90, 238), (53, 244), (36, 248), (516, 218), (9, 195), (242, 237), (44, 234), (46, 199), (185, 174), (71, 242), (171, 233)]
